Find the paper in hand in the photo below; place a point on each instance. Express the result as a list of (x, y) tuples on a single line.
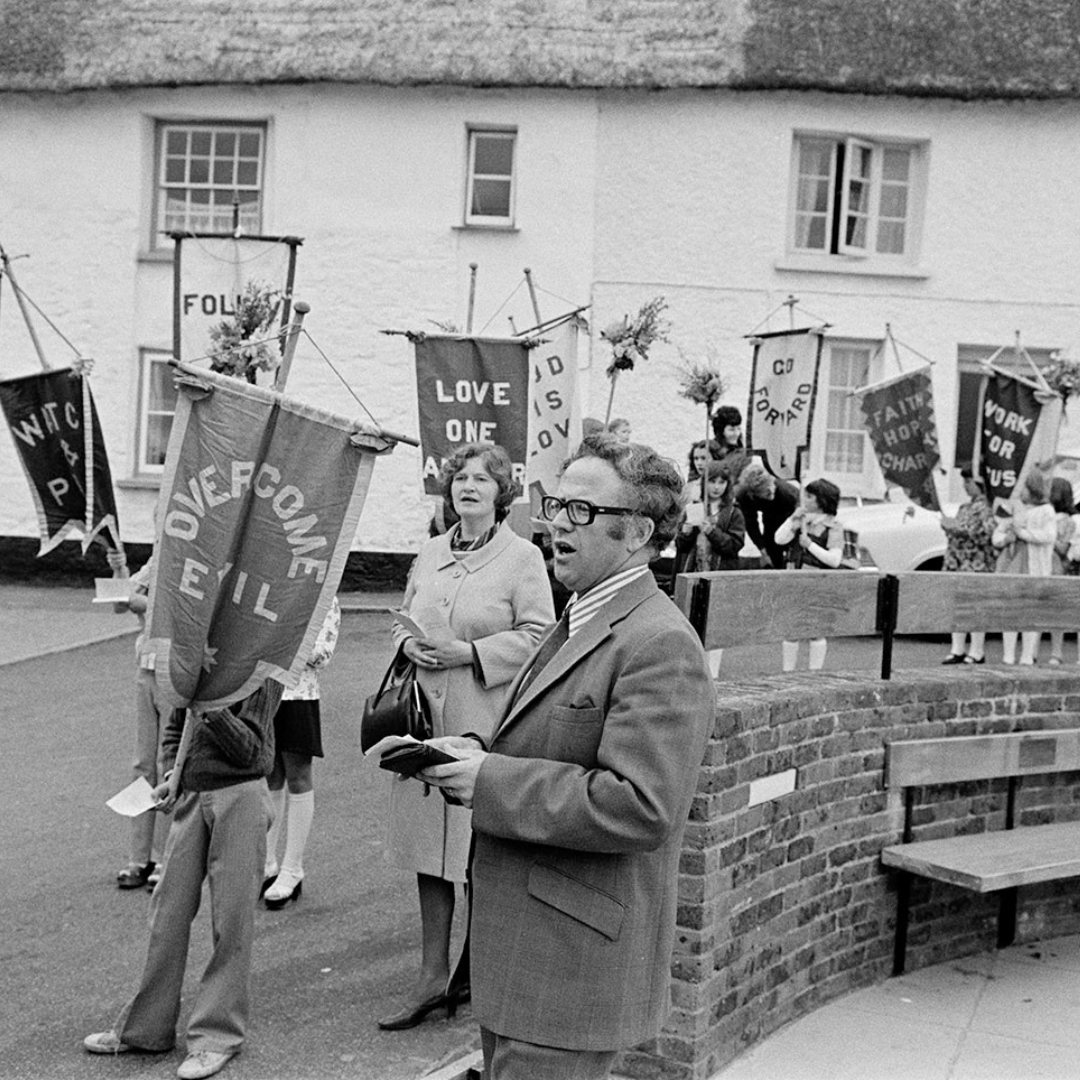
[(409, 624), (133, 800), (111, 590)]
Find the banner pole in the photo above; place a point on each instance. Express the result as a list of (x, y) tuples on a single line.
[(6, 262), (472, 297), (532, 295), (300, 309)]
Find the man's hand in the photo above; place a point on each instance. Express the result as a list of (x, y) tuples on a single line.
[(457, 779), (161, 798)]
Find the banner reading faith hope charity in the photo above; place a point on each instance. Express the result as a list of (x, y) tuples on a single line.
[(211, 273), (899, 418), (1009, 412), (471, 390), (554, 414), (258, 508), (783, 387), (55, 425)]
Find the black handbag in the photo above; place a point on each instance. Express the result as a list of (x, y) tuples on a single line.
[(398, 707)]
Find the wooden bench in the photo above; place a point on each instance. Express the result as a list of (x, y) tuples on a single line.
[(999, 861), (758, 607)]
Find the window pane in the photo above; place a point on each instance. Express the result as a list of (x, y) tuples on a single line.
[(491, 198), (890, 238), (816, 163), (494, 155), (202, 172), (157, 438), (896, 164), (845, 444), (162, 387)]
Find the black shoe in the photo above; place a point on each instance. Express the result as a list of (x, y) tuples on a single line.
[(410, 1017), (267, 882), (279, 902), (134, 876), (953, 658), (972, 660)]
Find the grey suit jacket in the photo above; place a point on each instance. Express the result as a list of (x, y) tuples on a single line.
[(578, 816)]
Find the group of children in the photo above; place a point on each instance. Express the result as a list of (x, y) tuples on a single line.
[(1038, 535)]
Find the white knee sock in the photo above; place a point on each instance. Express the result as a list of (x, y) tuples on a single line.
[(301, 811), (1008, 646), (790, 652), (277, 803), (817, 654)]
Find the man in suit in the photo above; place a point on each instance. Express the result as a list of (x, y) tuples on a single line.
[(580, 802)]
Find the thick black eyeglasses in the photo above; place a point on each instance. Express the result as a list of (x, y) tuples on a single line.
[(579, 511)]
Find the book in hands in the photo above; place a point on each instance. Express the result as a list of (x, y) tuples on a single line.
[(410, 759)]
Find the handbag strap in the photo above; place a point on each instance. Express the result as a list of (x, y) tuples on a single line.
[(392, 668)]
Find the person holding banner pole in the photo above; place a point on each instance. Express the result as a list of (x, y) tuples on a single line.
[(969, 548), (215, 788), (480, 594)]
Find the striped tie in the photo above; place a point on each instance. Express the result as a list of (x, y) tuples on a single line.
[(552, 644)]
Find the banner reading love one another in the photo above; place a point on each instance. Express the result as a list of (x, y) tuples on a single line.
[(258, 509)]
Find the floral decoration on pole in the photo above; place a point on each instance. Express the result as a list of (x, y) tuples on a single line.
[(1063, 375), (630, 340), (239, 346), (703, 384)]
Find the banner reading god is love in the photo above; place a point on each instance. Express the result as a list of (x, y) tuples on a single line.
[(783, 386), (259, 506), (471, 390), (554, 415), (899, 418)]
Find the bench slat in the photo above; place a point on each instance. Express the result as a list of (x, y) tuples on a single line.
[(980, 757), (948, 602), (757, 607), (988, 862)]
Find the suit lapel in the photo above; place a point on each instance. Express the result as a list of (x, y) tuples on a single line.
[(593, 634)]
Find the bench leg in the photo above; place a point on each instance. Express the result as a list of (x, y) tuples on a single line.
[(903, 907), (1007, 905)]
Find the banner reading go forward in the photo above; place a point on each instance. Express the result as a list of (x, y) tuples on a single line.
[(783, 387), (259, 505)]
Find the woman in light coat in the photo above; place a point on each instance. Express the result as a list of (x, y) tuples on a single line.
[(482, 596)]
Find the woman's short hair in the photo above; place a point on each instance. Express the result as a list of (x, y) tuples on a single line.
[(724, 417), (755, 481), (1061, 496), (654, 487), (1037, 486), (497, 463), (827, 495)]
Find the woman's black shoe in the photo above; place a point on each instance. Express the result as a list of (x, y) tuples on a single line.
[(953, 658), (278, 903), (267, 882), (409, 1018), (134, 876)]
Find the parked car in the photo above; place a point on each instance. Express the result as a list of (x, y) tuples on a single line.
[(897, 536)]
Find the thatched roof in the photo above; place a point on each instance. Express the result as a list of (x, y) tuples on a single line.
[(953, 48)]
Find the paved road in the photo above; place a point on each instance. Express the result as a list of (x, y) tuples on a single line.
[(72, 944)]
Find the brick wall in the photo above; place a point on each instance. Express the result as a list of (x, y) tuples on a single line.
[(784, 905)]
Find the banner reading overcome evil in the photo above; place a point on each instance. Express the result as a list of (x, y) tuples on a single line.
[(899, 418), (259, 505), (783, 386), (55, 425)]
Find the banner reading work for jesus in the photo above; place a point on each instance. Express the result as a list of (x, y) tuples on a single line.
[(471, 390), (212, 273), (554, 416), (899, 417), (55, 425), (1008, 416), (258, 508), (783, 387)]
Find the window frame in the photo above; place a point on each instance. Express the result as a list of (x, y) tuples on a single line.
[(838, 252), (147, 358), (867, 483), (160, 228), (491, 221)]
